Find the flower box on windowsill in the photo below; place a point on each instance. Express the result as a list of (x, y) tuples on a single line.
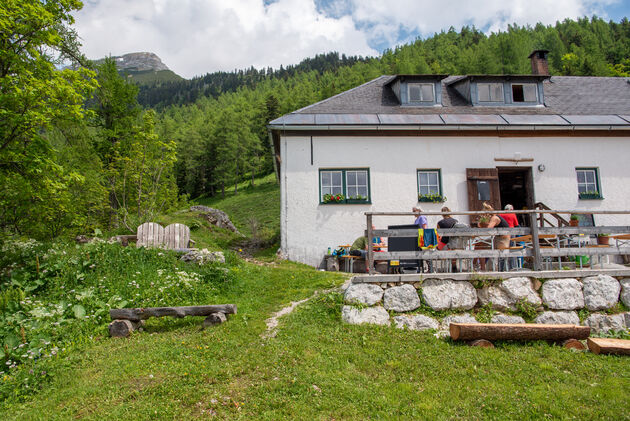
[(334, 199), (590, 196), (431, 198), (357, 200)]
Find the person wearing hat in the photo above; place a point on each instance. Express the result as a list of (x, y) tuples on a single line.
[(421, 220)]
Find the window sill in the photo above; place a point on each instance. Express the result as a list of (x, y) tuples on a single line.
[(590, 197), (431, 200), (348, 202)]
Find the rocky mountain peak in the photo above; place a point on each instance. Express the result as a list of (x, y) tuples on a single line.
[(139, 62)]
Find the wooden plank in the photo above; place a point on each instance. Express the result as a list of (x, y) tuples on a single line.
[(370, 249), (586, 251), (535, 242), (453, 232), (517, 331), (137, 314), (547, 232), (452, 254), (609, 346), (480, 253), (537, 211), (466, 276), (585, 230)]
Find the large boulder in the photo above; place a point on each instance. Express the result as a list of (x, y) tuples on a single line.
[(504, 318), (605, 323), (625, 291), (415, 322), (558, 318), (457, 318), (368, 294), (563, 294), (370, 315), (215, 217), (506, 294), (446, 294), (401, 298), (497, 296), (600, 292), (203, 256)]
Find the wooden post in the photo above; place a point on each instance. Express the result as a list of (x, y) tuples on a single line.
[(535, 239), (370, 249)]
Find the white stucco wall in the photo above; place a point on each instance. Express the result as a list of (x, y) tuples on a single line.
[(309, 228)]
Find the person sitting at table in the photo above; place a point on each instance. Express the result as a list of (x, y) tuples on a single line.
[(447, 221), (421, 220), (501, 242), (359, 247)]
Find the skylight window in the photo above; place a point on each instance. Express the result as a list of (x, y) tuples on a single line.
[(490, 92), (421, 92), (524, 92)]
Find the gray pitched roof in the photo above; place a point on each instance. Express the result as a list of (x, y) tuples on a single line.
[(578, 99), (563, 95)]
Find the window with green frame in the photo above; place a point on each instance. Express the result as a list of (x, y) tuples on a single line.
[(430, 185), (344, 185), (588, 183)]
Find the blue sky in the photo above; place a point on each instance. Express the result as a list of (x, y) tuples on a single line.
[(194, 37)]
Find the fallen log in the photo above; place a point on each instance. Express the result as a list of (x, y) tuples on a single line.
[(517, 332), (137, 314), (609, 346)]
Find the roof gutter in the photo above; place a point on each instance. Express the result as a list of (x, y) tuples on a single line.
[(441, 127)]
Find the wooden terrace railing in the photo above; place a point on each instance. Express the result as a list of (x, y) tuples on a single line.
[(535, 252)]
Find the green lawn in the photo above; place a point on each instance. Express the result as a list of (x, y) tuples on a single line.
[(315, 368), (318, 368)]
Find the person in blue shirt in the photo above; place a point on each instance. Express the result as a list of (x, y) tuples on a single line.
[(421, 220)]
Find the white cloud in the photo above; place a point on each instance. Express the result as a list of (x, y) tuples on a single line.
[(193, 37), (425, 17)]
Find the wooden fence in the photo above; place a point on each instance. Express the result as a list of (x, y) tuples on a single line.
[(535, 252)]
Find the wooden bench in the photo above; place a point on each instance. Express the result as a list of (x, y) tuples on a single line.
[(173, 237), (609, 346), (481, 334), (126, 320)]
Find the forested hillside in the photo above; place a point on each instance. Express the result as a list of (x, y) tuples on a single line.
[(222, 137), (78, 152), (586, 47)]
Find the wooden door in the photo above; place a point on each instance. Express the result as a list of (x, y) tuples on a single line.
[(483, 186)]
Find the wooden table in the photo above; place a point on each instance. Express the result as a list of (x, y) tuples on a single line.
[(349, 262)]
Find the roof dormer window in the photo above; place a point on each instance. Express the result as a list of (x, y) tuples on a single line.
[(490, 92), (524, 92), (421, 92)]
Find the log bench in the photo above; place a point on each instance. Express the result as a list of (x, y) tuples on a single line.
[(126, 320), (609, 346), (481, 334)]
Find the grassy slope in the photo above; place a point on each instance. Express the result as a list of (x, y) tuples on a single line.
[(316, 367), (261, 203)]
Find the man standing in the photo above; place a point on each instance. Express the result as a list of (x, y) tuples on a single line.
[(512, 221)]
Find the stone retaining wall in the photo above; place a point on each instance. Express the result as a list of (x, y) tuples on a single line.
[(561, 301)]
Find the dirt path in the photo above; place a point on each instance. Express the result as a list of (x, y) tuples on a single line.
[(273, 321)]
